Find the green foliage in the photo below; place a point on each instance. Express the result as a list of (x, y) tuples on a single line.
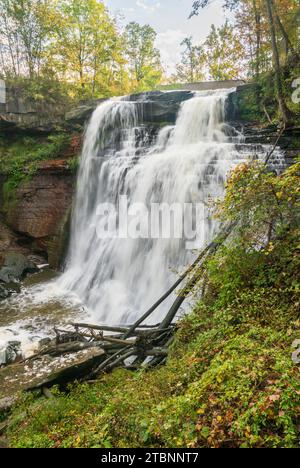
[(257, 102), (224, 53), (229, 380), (87, 48), (192, 65), (73, 164), (19, 160), (219, 57), (143, 58), (47, 94), (265, 249), (75, 50), (225, 385)]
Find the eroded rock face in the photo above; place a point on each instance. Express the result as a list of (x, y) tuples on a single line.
[(20, 113), (42, 207), (155, 107)]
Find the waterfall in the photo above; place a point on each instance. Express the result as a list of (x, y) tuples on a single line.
[(118, 278)]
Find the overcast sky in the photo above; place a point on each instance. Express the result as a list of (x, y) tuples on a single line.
[(170, 19)]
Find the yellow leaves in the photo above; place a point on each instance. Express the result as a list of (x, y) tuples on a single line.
[(269, 248), (279, 195), (201, 410)]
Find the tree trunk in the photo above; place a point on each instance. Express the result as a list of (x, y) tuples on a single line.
[(257, 15), (284, 111), (288, 44)]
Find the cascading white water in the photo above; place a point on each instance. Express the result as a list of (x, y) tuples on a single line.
[(115, 279), (118, 279)]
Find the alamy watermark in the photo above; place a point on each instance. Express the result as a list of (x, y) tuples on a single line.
[(2, 92), (296, 93), (156, 221)]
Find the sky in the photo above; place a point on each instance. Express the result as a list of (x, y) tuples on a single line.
[(170, 20)]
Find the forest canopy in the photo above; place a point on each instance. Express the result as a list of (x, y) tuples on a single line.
[(78, 43), (85, 52)]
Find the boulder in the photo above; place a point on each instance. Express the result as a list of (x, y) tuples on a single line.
[(15, 267), (79, 115), (4, 293), (10, 353), (47, 371)]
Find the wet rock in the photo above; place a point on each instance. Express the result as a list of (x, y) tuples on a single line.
[(4, 293), (15, 267), (160, 108), (155, 107), (6, 290), (10, 353), (82, 113), (47, 371)]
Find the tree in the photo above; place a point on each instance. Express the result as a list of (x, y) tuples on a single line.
[(25, 29), (224, 53), (269, 33), (86, 45), (285, 113), (192, 65), (143, 58)]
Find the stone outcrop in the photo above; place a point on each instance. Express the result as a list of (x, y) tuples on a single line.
[(24, 114), (41, 207), (15, 266), (10, 242), (155, 107), (80, 114)]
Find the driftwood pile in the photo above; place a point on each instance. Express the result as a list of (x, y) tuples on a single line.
[(145, 343)]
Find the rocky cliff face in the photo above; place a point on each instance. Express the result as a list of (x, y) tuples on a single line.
[(41, 209), (39, 212), (24, 114)]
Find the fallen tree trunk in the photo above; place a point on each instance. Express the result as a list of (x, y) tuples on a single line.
[(133, 328)]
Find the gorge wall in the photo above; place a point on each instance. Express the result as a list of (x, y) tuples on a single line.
[(37, 218), (41, 210)]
